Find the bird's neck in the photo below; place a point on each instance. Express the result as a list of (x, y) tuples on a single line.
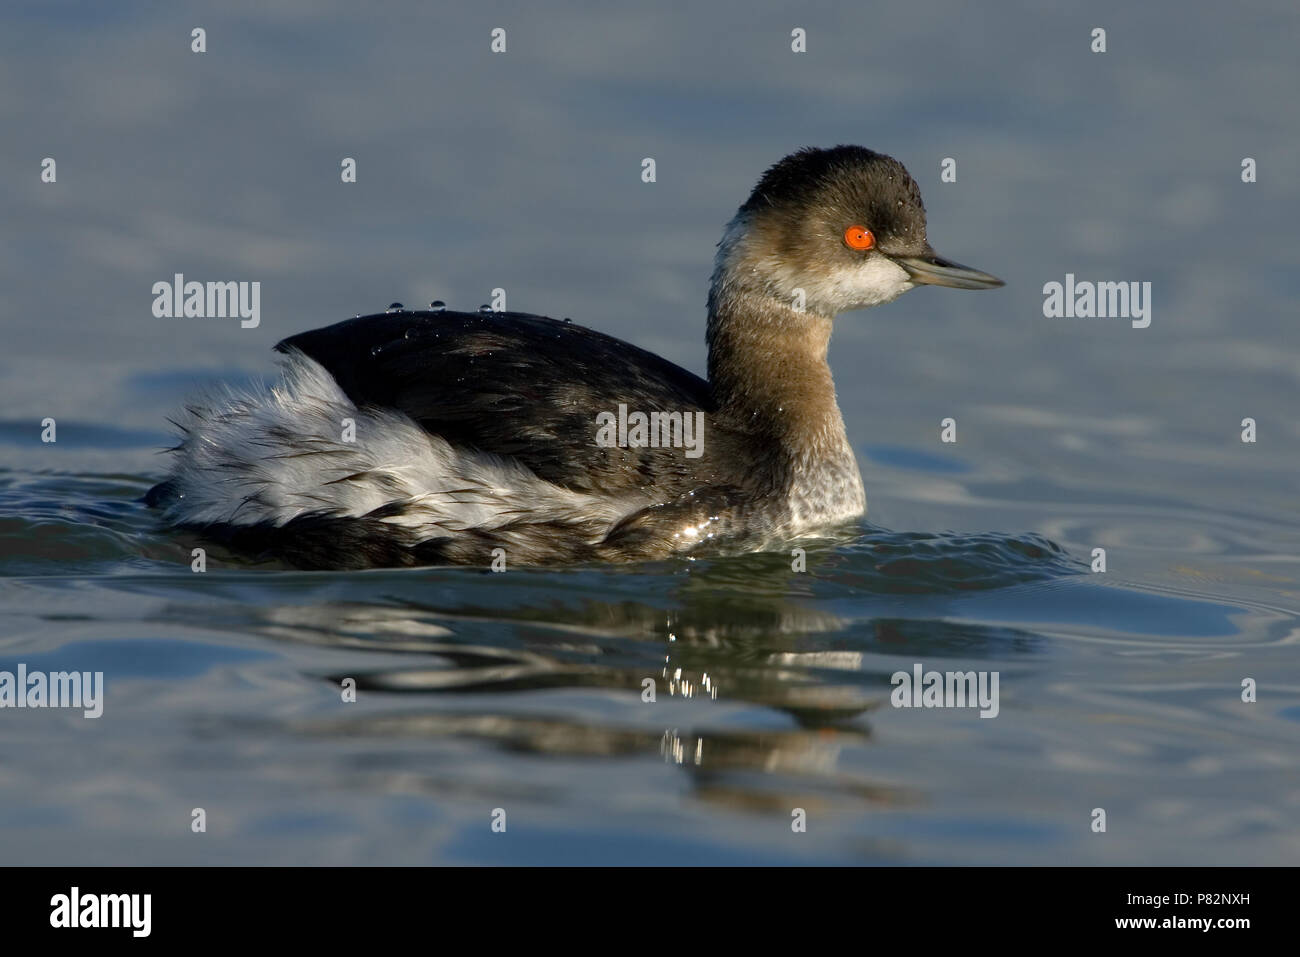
[(768, 374)]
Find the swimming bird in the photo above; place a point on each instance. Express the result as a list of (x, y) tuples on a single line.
[(435, 436)]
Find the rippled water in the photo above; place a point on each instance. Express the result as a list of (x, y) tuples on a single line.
[(523, 691)]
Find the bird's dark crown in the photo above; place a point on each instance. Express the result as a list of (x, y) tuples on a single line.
[(843, 185)]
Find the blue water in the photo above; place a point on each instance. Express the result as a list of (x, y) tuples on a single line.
[(522, 691)]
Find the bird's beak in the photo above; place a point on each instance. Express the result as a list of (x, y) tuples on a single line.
[(931, 269)]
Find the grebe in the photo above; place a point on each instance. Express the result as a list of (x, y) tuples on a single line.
[(428, 437)]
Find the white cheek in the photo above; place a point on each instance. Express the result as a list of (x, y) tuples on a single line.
[(871, 282), (877, 280)]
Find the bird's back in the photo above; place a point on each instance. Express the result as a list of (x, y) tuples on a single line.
[(518, 385)]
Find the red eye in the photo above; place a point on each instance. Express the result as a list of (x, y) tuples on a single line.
[(859, 237)]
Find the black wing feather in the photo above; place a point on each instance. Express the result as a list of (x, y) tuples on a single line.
[(517, 385)]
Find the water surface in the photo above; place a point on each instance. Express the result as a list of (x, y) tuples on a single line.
[(523, 691)]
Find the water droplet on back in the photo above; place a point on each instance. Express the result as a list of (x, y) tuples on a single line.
[(485, 308), (394, 307), (437, 305)]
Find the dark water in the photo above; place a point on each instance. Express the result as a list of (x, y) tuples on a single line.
[(523, 691)]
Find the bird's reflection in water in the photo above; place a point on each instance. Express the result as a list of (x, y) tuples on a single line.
[(723, 634)]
